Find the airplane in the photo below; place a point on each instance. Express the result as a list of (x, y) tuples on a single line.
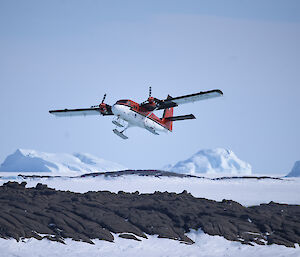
[(132, 114)]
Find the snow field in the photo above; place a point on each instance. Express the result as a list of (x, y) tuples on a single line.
[(205, 245), (245, 191)]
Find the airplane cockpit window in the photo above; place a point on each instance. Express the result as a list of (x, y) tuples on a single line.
[(122, 101)]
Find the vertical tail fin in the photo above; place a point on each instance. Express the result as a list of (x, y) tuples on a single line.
[(167, 114)]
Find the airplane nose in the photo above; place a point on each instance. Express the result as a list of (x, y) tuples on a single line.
[(114, 109)]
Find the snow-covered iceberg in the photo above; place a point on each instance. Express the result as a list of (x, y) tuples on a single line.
[(212, 161), (24, 160), (295, 172)]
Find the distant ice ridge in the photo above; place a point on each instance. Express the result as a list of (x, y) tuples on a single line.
[(24, 160), (212, 161), (295, 172)]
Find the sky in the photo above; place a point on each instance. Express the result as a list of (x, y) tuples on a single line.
[(67, 54)]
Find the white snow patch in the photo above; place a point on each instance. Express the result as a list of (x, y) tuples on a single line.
[(212, 161), (205, 245), (24, 160), (245, 191)]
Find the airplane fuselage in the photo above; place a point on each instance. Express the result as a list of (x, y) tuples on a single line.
[(137, 118)]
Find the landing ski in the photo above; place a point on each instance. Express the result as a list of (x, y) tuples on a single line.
[(120, 134), (117, 123), (151, 130)]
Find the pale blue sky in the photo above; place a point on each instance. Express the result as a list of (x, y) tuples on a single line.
[(67, 54)]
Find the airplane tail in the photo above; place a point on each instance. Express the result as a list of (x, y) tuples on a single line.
[(168, 113), (168, 118)]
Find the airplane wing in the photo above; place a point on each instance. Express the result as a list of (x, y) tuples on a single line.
[(175, 101), (79, 112)]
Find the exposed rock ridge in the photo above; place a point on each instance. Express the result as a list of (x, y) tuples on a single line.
[(36, 212)]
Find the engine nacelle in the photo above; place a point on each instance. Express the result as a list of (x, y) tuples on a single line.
[(103, 108)]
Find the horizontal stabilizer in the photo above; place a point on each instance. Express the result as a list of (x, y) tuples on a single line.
[(182, 117)]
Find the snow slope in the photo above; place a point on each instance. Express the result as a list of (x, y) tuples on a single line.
[(23, 160), (295, 172), (212, 161)]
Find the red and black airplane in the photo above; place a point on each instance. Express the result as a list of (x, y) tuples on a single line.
[(131, 114)]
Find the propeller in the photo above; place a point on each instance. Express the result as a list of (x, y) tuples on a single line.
[(102, 102), (103, 106), (152, 103), (103, 98), (150, 98)]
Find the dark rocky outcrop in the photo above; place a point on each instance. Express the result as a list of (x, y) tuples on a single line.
[(129, 236), (150, 173), (44, 212)]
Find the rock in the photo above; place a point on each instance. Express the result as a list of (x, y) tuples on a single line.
[(129, 236), (15, 185), (41, 186), (96, 215)]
